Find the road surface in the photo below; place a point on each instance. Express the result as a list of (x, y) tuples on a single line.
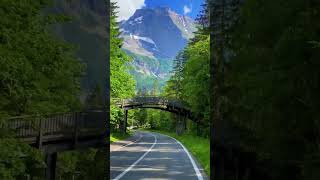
[(147, 156)]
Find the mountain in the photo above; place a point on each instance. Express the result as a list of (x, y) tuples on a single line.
[(153, 37)]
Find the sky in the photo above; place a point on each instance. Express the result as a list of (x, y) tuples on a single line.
[(184, 7)]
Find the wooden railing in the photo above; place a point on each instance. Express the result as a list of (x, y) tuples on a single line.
[(150, 100), (55, 127)]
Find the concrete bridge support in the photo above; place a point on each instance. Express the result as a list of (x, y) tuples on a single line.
[(51, 161)]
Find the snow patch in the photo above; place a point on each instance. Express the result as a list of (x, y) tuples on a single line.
[(138, 18), (182, 20), (122, 31), (146, 39)]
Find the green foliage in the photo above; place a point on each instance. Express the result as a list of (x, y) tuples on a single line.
[(195, 83), (190, 81), (122, 83), (38, 72), (116, 136), (19, 160), (145, 80), (153, 118), (83, 165), (141, 116), (273, 89)]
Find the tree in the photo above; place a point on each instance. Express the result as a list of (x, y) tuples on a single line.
[(155, 89), (273, 84), (122, 83), (39, 74)]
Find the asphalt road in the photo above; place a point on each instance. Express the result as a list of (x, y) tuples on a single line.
[(147, 156)]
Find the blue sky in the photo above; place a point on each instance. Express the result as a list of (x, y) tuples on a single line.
[(187, 7)]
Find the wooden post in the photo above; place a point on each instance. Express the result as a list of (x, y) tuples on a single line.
[(51, 160), (76, 128), (39, 138)]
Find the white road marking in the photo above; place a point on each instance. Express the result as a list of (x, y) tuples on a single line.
[(128, 144), (135, 163), (195, 167)]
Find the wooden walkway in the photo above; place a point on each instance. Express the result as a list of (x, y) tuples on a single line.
[(61, 132)]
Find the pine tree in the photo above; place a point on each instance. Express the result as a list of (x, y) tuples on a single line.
[(122, 83)]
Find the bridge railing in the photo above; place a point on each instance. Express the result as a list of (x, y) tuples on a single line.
[(150, 100), (63, 125)]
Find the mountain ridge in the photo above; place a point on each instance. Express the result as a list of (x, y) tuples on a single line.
[(154, 36)]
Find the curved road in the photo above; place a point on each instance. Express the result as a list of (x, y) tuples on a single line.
[(147, 156)]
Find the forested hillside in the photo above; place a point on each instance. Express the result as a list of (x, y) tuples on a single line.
[(272, 84), (87, 32), (268, 86), (41, 73)]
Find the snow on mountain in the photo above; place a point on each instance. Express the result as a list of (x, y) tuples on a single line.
[(155, 36)]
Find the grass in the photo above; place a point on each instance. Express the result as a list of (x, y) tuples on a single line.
[(198, 146), (117, 136)]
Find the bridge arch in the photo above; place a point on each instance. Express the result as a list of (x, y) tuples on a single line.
[(155, 102)]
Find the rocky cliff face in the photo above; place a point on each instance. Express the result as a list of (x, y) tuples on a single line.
[(87, 31), (154, 37)]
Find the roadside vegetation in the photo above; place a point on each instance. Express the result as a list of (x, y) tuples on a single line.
[(117, 136), (270, 86)]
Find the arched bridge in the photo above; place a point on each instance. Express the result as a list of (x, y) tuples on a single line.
[(154, 102)]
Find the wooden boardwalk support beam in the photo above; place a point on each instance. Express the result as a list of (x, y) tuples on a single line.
[(51, 161)]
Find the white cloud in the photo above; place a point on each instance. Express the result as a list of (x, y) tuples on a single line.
[(127, 8), (186, 9)]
